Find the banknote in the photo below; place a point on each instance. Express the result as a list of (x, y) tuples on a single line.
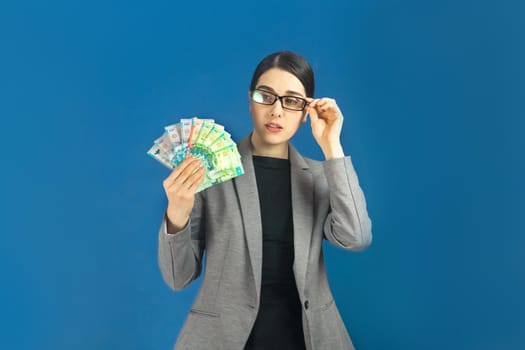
[(159, 155), (202, 138), (173, 132), (165, 144)]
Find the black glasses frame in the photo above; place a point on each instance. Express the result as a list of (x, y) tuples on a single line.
[(280, 98)]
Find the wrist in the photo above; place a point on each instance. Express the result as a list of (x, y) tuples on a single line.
[(176, 225), (333, 150)]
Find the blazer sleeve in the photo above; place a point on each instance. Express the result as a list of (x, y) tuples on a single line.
[(180, 254), (347, 225)]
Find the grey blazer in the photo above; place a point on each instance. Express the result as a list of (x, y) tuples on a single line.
[(327, 203)]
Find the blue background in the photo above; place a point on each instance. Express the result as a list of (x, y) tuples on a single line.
[(433, 96)]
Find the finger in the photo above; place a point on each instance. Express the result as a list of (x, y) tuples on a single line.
[(314, 116), (195, 180), (312, 111), (177, 170), (329, 110), (201, 174), (326, 103), (189, 171), (321, 105), (184, 181), (175, 174), (199, 171), (312, 102)]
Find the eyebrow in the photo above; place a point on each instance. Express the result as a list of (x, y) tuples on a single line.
[(291, 92)]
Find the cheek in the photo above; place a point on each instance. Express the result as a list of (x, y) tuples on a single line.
[(295, 123), (256, 112)]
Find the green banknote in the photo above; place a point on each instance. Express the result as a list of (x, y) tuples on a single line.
[(203, 139)]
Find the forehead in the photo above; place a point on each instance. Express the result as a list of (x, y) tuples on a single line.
[(281, 81)]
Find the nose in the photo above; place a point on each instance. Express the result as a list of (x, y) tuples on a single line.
[(277, 108)]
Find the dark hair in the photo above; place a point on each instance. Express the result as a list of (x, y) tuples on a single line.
[(290, 62)]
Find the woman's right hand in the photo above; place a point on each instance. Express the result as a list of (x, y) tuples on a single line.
[(180, 187)]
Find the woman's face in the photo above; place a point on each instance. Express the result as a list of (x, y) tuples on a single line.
[(272, 124)]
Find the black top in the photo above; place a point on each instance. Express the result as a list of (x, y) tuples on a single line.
[(279, 323)]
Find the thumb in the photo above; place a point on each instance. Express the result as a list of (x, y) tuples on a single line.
[(314, 117)]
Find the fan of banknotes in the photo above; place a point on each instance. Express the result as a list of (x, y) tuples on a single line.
[(204, 139)]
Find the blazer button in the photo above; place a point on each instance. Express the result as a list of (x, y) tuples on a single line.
[(306, 304)]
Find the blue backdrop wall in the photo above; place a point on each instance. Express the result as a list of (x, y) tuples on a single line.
[(432, 93)]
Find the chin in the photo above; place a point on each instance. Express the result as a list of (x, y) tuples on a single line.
[(275, 139)]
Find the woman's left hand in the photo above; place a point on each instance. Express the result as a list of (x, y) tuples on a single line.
[(326, 120)]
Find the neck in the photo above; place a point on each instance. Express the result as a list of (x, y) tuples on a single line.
[(275, 151)]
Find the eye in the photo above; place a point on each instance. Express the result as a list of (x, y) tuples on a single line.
[(267, 97), (291, 101), (263, 97)]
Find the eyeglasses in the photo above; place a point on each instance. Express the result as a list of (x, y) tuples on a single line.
[(292, 103)]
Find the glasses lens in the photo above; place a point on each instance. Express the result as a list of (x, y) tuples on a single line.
[(263, 97), (293, 103)]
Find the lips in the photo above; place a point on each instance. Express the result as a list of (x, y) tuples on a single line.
[(273, 125)]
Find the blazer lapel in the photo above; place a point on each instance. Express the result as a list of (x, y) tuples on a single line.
[(303, 213), (248, 196)]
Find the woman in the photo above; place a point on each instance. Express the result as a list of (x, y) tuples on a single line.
[(265, 284)]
